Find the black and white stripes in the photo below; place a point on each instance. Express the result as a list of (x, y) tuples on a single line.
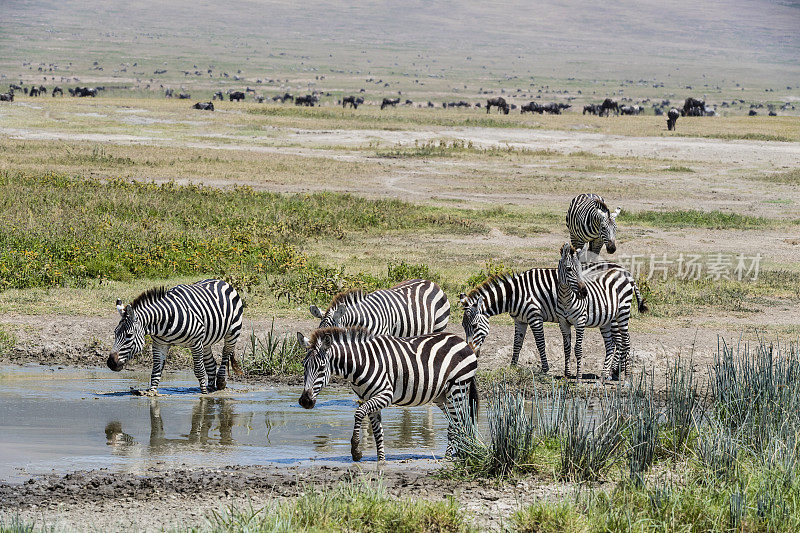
[(590, 220), (196, 316), (413, 307), (597, 298), (385, 370)]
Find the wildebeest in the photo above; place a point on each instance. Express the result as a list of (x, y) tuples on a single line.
[(83, 91), (353, 101), (752, 113), (283, 97), (184, 96), (607, 105), (42, 89), (308, 100), (236, 95), (34, 91), (205, 106), (389, 102), (693, 107), (672, 118), (58, 90), (7, 97), (531, 107), (499, 102), (554, 109), (217, 96), (592, 109), (630, 109), (169, 93)]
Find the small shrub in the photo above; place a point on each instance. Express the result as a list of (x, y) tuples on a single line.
[(273, 354)]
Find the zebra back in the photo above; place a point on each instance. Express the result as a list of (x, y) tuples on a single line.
[(589, 220), (420, 368), (413, 307)]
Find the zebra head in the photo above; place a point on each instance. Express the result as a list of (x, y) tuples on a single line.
[(608, 228), (128, 337), (475, 321), (330, 318), (317, 370), (570, 271)]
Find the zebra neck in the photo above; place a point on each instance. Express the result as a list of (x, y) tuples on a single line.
[(566, 298), (374, 319), (343, 362), (148, 315), (498, 300)]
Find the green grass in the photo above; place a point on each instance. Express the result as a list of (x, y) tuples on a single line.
[(58, 230), (273, 354), (16, 525), (678, 168), (7, 340), (790, 177), (350, 506), (693, 218)]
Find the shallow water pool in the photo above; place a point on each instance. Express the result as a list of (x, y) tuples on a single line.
[(66, 419)]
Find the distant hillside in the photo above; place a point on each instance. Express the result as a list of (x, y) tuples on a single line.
[(755, 41)]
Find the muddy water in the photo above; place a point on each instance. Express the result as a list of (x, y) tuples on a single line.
[(60, 420)]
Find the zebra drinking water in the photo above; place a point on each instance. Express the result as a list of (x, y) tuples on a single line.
[(590, 220), (413, 307), (384, 370), (530, 297), (197, 316), (597, 298)]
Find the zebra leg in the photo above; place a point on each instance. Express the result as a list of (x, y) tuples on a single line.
[(608, 339), (199, 368), (623, 348), (374, 404), (453, 406), (377, 434), (537, 326), (579, 328), (520, 328), (227, 351), (566, 333), (615, 333), (159, 358), (211, 367)]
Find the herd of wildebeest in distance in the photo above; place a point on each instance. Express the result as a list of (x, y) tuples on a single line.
[(692, 107)]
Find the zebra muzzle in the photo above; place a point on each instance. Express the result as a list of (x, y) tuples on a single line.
[(114, 363), (306, 401)]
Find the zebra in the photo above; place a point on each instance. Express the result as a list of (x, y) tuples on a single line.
[(197, 316), (601, 298), (530, 297), (590, 220), (413, 307), (384, 370)]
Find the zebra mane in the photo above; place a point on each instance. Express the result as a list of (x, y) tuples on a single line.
[(341, 334), (602, 205), (149, 296), (488, 282), (347, 297)]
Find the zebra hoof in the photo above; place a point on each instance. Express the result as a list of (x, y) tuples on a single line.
[(357, 455), (221, 384)]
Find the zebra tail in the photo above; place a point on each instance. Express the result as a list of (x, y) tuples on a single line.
[(474, 400), (237, 368), (639, 299)]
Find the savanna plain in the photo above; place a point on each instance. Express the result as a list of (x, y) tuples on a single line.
[(104, 197)]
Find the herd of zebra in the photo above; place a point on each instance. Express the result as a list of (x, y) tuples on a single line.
[(390, 344)]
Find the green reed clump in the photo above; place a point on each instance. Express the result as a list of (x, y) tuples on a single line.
[(273, 354)]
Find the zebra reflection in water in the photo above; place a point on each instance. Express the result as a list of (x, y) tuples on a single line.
[(208, 414)]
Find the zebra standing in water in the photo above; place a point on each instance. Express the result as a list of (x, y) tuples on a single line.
[(413, 307), (385, 370), (197, 316), (601, 298), (590, 220), (530, 297)]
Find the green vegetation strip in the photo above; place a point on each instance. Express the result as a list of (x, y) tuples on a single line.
[(56, 229)]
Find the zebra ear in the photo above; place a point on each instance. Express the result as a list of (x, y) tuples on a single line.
[(479, 303), (615, 214), (462, 298), (302, 340), (120, 307), (339, 312), (128, 310), (315, 312), (327, 340)]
